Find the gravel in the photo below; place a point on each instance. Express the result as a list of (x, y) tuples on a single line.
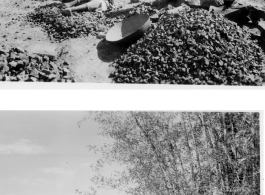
[(198, 47), (60, 28)]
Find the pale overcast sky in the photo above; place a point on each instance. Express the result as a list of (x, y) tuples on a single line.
[(45, 153)]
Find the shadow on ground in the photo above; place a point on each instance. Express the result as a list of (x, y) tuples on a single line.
[(108, 52), (249, 17)]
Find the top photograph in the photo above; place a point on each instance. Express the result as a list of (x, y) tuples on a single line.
[(172, 42)]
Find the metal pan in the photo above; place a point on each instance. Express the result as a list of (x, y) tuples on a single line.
[(129, 30)]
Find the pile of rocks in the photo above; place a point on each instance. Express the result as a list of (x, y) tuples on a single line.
[(17, 65), (60, 27), (199, 47)]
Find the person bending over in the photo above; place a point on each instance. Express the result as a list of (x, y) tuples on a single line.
[(86, 5)]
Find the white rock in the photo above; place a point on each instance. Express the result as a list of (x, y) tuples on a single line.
[(44, 49)]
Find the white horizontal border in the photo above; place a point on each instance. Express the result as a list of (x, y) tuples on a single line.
[(132, 99), (115, 86)]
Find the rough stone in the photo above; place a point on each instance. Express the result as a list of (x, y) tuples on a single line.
[(54, 66), (3, 51), (216, 9), (34, 73), (52, 76), (20, 63), (42, 74), (6, 78), (19, 50), (13, 78), (3, 67), (66, 70), (3, 62), (255, 31), (101, 35), (23, 76), (13, 64), (4, 55), (46, 58), (44, 49), (66, 63), (46, 71), (154, 18), (25, 59), (1, 76), (38, 59), (12, 56), (33, 79)]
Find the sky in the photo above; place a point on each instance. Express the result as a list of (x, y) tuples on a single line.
[(45, 153)]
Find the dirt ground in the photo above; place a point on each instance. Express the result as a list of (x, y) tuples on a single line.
[(89, 57)]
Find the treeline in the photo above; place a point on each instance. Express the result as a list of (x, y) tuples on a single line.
[(184, 153)]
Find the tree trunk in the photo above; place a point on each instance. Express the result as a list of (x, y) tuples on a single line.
[(183, 171), (219, 162), (226, 152), (189, 150), (196, 151), (209, 143), (149, 140)]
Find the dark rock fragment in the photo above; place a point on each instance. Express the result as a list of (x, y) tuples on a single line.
[(19, 50), (154, 18), (34, 73)]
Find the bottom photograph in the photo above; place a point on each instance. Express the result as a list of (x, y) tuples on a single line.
[(129, 153)]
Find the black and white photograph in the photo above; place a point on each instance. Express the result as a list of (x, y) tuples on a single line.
[(130, 152), (169, 42)]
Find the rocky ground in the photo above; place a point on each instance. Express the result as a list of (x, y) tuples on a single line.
[(89, 57)]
